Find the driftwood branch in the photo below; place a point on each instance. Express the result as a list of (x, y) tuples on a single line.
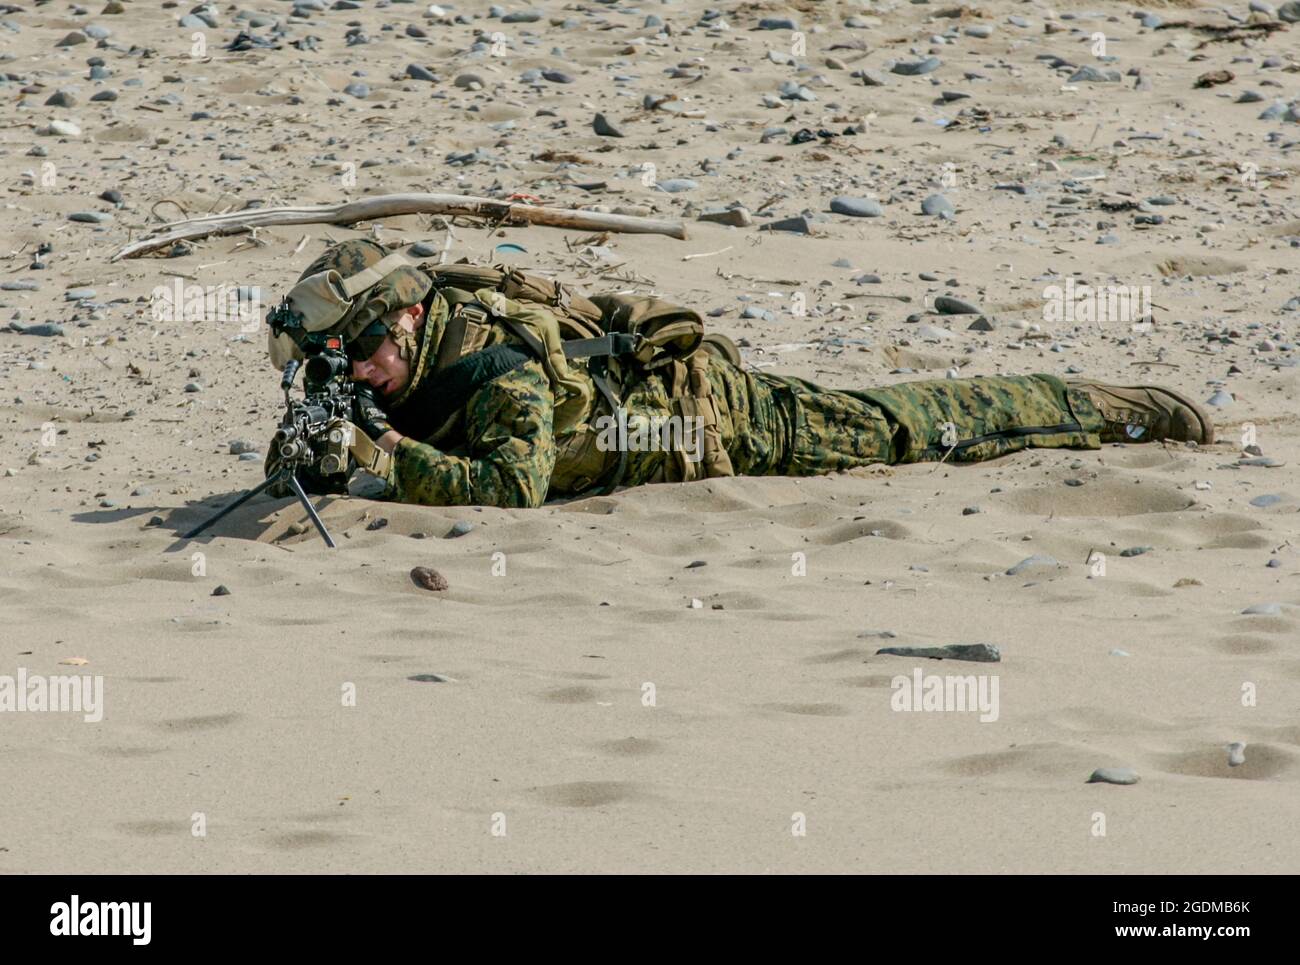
[(390, 205)]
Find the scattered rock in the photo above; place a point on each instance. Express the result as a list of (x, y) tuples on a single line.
[(857, 207), (1263, 609), (937, 206), (429, 579), (977, 652), (1038, 559), (604, 128), (912, 68), (1266, 500), (946, 305), (1114, 775), (737, 217)]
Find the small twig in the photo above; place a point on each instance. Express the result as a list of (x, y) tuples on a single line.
[(707, 254)]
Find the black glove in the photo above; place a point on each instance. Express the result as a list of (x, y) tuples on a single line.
[(367, 414)]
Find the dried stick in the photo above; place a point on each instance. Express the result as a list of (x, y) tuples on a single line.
[(391, 205)]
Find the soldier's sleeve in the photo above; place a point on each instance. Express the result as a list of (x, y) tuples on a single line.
[(511, 449)]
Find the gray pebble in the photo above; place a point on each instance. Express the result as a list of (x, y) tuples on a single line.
[(913, 68), (601, 125), (799, 225), (416, 72), (1038, 559), (946, 305), (1263, 610), (44, 330), (976, 652), (241, 446), (857, 207), (459, 528), (1220, 398), (1114, 775), (677, 185), (1236, 754), (936, 205), (1266, 500), (357, 89), (90, 217), (1092, 75), (1136, 550)]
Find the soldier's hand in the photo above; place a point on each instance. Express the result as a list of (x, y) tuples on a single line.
[(367, 414)]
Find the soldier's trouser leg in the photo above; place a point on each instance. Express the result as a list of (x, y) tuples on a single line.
[(985, 417)]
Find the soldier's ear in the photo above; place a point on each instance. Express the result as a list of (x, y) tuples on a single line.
[(417, 316)]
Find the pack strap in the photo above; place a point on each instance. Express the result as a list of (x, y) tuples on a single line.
[(615, 343), (598, 374)]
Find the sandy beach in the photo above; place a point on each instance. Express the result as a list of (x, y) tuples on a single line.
[(681, 677)]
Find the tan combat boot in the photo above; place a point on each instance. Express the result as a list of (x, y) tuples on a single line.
[(1145, 413)]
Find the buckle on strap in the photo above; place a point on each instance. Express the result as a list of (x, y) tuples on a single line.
[(615, 343), (473, 311)]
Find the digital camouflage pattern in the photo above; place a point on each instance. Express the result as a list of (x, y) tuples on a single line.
[(506, 451)]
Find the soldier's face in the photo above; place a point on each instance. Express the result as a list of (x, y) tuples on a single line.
[(386, 370)]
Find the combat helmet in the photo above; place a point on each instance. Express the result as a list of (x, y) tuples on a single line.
[(349, 291)]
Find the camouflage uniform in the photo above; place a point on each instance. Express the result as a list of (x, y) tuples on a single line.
[(507, 452), (526, 435)]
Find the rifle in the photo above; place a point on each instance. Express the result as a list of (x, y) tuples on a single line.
[(314, 433)]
